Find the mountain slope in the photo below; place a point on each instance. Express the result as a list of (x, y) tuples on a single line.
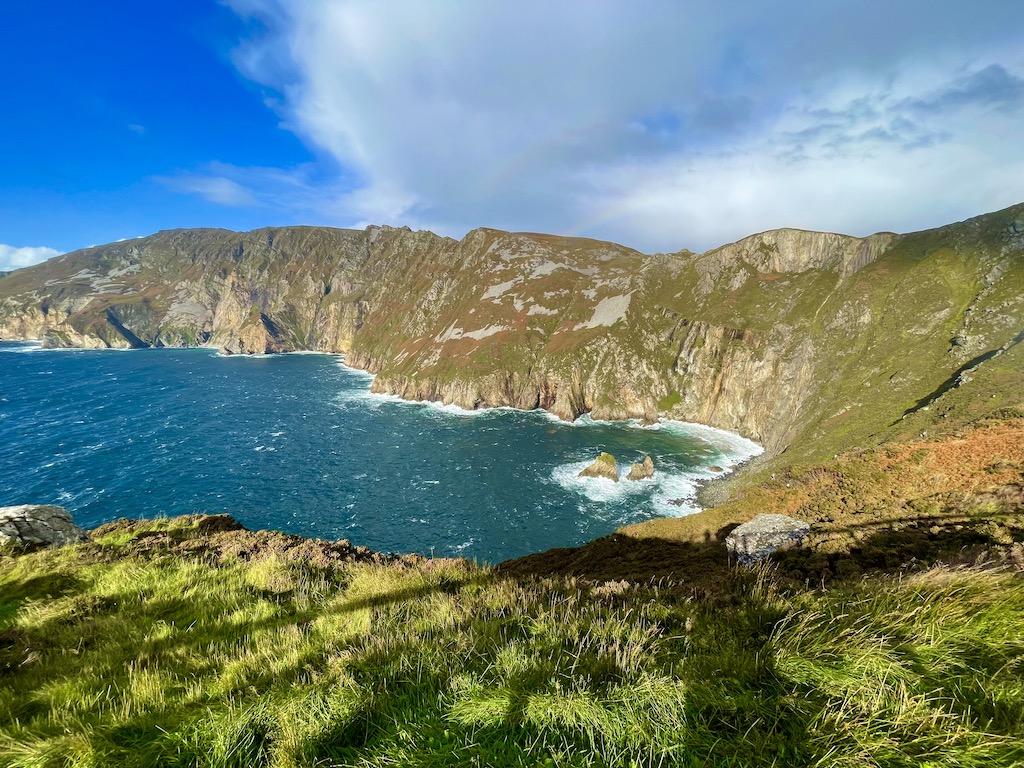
[(806, 341)]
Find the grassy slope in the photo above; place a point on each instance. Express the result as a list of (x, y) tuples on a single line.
[(966, 451), (114, 655)]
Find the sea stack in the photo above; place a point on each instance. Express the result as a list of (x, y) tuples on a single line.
[(604, 466), (641, 471)]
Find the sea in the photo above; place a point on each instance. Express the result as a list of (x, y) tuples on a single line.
[(298, 443)]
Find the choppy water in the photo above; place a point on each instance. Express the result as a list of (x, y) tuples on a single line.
[(297, 443)]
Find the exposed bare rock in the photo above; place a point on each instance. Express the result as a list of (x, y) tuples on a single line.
[(603, 466), (765, 534), (31, 526), (642, 471)]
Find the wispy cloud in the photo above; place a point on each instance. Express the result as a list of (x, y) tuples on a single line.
[(687, 125), (212, 187), (991, 87), (12, 257)]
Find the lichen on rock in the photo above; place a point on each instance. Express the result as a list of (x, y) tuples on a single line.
[(765, 534), (31, 526)]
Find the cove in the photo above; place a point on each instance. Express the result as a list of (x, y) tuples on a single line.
[(298, 443)]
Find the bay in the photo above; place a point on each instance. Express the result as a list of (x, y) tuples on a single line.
[(298, 443)]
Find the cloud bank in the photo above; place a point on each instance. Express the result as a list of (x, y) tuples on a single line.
[(681, 125), (16, 258)]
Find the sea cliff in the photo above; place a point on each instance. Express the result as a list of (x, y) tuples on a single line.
[(795, 339)]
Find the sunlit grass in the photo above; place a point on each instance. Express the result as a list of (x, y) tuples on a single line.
[(166, 661)]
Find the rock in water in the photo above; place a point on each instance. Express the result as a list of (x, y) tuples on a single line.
[(30, 526), (642, 471), (764, 535), (605, 466)]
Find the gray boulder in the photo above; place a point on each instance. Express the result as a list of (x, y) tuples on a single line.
[(30, 526), (757, 539)]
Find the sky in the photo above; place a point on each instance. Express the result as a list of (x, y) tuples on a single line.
[(659, 124)]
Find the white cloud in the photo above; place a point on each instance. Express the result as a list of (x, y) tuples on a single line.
[(214, 188), (686, 125), (15, 258)]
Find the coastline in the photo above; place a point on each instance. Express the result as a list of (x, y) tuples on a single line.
[(676, 494)]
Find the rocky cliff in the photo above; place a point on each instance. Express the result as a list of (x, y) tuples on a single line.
[(786, 337)]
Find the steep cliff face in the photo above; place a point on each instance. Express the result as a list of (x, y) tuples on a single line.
[(787, 337)]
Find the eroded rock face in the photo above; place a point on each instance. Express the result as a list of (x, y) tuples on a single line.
[(765, 534), (604, 466), (642, 471), (30, 526)]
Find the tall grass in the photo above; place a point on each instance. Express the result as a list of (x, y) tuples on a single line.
[(165, 661)]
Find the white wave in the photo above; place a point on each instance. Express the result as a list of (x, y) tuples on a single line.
[(464, 545), (734, 449), (359, 371), (267, 355), (599, 489), (238, 356), (429, 407), (670, 493), (30, 346)]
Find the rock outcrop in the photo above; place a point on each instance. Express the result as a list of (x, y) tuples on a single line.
[(642, 471), (31, 526), (757, 539), (604, 466)]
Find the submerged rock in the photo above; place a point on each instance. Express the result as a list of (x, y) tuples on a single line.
[(641, 471), (604, 466), (30, 526), (764, 535)]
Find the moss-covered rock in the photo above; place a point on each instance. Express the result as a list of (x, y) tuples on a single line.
[(604, 466)]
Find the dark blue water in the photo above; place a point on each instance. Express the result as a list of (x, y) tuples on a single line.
[(297, 443)]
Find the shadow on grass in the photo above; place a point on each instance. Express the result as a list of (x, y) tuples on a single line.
[(856, 549), (702, 566)]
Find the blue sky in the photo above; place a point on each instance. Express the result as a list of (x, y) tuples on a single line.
[(659, 124)]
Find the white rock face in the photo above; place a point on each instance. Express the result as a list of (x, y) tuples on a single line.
[(608, 311), (764, 535), (30, 526)]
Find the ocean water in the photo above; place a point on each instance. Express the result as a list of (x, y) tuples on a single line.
[(298, 443)]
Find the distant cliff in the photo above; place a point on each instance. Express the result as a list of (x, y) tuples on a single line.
[(788, 337)]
